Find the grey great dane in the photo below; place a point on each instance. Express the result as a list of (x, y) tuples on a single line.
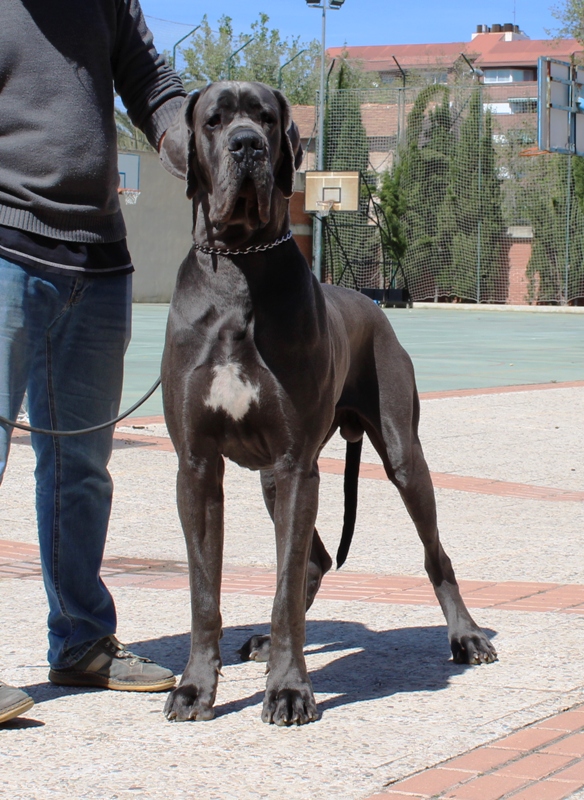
[(262, 364)]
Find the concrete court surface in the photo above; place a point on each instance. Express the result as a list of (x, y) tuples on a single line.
[(508, 469)]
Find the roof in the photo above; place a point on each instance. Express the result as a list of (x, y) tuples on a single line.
[(486, 50), (381, 119), (496, 52), (305, 119), (379, 58)]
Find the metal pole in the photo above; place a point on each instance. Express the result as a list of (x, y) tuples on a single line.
[(286, 64), (478, 73), (317, 249), (235, 52), (480, 198), (177, 44), (568, 214), (400, 103)]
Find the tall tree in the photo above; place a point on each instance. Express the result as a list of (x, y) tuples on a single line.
[(351, 251), (346, 145), (556, 267), (571, 16), (413, 194), (209, 54), (393, 203), (471, 221)]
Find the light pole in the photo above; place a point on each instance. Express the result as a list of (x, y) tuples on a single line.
[(324, 5), (177, 44)]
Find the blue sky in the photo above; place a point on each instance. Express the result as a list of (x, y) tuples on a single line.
[(358, 22)]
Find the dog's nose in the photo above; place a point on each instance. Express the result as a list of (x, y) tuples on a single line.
[(246, 145)]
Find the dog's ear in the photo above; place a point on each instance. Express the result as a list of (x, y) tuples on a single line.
[(177, 151), (291, 148)]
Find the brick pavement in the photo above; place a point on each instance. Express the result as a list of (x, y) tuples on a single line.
[(543, 761), (441, 480), (334, 466), (18, 560)]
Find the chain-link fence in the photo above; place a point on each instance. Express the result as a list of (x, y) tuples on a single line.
[(457, 204)]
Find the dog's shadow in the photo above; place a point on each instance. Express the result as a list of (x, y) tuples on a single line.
[(379, 664)]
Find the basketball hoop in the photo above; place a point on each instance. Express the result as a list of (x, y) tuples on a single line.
[(324, 207), (130, 196), (331, 191)]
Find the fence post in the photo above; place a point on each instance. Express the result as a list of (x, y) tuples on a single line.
[(480, 187), (568, 215)]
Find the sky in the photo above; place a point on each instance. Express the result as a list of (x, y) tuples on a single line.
[(358, 22)]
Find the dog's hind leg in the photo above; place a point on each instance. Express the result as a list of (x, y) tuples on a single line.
[(257, 648), (395, 437), (319, 561), (200, 506)]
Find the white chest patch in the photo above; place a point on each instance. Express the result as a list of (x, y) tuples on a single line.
[(231, 392)]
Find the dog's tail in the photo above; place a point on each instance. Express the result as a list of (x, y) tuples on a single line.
[(352, 463)]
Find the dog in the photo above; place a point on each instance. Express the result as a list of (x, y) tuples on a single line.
[(262, 364)]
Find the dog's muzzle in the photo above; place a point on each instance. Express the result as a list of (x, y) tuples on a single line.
[(247, 147), (243, 183)]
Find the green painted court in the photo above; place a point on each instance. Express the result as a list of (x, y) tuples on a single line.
[(451, 349)]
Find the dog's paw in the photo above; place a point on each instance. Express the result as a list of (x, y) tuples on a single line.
[(186, 703), (289, 707), (255, 649), (474, 647)]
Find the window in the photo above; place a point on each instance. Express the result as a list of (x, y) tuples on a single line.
[(508, 75), (523, 105)]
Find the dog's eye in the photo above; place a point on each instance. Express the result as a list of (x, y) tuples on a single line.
[(267, 118), (213, 121)]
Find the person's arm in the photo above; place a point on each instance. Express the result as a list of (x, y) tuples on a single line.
[(151, 91)]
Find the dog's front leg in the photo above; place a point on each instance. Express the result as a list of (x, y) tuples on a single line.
[(200, 506), (289, 697)]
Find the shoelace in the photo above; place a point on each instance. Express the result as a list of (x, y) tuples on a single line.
[(118, 650)]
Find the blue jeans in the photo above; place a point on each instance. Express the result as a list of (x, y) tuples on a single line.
[(62, 340)]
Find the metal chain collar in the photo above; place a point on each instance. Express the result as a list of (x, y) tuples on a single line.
[(258, 248)]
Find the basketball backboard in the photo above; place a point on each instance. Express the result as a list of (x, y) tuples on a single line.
[(129, 169), (560, 107), (331, 191)]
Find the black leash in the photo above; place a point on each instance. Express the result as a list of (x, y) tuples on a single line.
[(101, 427)]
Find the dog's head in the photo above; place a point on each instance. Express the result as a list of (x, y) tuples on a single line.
[(235, 143)]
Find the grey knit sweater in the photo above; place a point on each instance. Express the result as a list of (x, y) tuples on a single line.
[(59, 62)]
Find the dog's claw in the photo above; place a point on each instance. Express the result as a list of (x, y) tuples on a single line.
[(473, 649), (289, 707)]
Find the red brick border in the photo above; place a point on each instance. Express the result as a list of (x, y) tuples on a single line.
[(441, 480), (544, 761), (336, 466), (22, 561), (524, 387), (460, 483)]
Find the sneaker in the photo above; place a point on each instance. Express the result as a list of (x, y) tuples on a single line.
[(13, 702), (108, 665)]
